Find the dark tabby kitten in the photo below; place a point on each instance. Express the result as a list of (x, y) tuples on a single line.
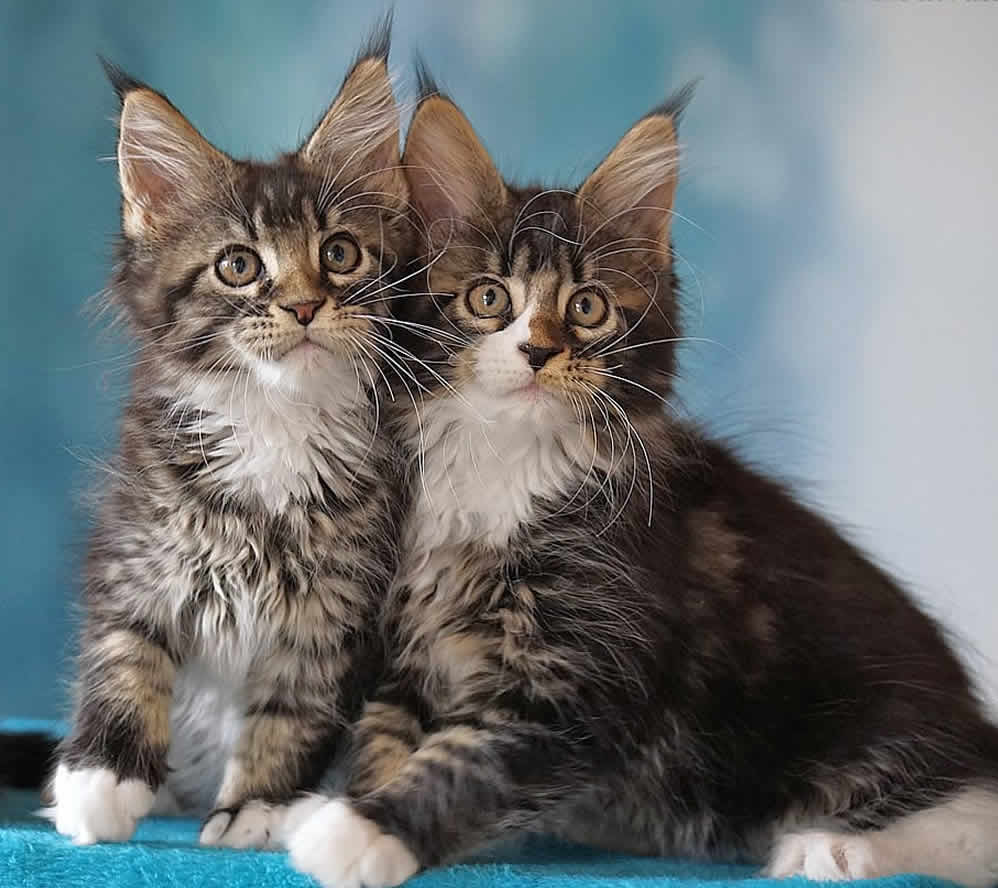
[(248, 529), (604, 625)]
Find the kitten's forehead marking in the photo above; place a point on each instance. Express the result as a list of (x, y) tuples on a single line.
[(308, 212), (258, 225), (518, 295), (521, 262), (542, 287)]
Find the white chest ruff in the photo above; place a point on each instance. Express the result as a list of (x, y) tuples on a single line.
[(265, 439), (485, 466)]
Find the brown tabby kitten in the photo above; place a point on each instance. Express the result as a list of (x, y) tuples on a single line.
[(604, 625), (248, 530)]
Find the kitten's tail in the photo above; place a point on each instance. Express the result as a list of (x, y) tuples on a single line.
[(26, 759)]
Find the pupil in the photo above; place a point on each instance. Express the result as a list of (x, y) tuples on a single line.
[(585, 305), (338, 253), (490, 297), (239, 263)]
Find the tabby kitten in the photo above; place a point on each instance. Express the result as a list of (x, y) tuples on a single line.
[(248, 529), (604, 625)]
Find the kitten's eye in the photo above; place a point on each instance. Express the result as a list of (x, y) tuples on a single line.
[(238, 266), (339, 254), (488, 300), (587, 309)]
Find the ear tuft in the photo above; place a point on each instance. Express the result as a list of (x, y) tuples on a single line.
[(674, 107), (426, 84), (122, 82), (379, 42)]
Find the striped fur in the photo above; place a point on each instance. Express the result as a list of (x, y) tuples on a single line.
[(603, 624), (247, 528)]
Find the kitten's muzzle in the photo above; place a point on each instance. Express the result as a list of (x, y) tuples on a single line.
[(304, 312)]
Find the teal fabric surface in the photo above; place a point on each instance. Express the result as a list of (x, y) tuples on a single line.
[(164, 854)]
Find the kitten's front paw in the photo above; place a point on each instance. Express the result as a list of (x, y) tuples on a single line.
[(93, 805), (254, 824), (823, 857), (341, 849)]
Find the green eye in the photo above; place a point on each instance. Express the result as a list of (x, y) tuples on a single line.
[(238, 266), (587, 309), (488, 300), (340, 254)]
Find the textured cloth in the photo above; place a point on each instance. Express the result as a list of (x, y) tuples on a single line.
[(164, 854)]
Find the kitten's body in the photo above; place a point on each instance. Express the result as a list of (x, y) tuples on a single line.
[(603, 624), (256, 544), (247, 531)]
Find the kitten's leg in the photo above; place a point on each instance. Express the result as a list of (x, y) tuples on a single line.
[(384, 737), (956, 840), (115, 757), (382, 740), (465, 784), (288, 740)]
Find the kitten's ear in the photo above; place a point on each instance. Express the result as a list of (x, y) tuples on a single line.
[(161, 157), (451, 176), (636, 183), (357, 140)]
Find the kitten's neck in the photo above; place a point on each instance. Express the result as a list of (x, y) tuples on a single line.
[(486, 467), (266, 444)]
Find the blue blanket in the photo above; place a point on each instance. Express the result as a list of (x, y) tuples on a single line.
[(164, 854)]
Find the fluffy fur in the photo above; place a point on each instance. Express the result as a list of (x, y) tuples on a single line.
[(246, 534), (604, 625)]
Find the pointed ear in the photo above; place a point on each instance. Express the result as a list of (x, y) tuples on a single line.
[(161, 157), (451, 176), (636, 183), (357, 140)]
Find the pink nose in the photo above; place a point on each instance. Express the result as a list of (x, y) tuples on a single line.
[(304, 312)]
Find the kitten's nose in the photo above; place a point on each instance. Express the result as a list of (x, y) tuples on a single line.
[(537, 355), (304, 311)]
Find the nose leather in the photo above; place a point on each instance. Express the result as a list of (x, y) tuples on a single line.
[(304, 312), (537, 355)]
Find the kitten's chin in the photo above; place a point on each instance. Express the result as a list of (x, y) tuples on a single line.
[(305, 356), (308, 369), (530, 396), (525, 402)]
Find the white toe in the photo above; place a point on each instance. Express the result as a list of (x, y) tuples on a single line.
[(824, 857), (251, 827), (214, 828), (341, 849), (387, 863), (92, 805), (293, 816)]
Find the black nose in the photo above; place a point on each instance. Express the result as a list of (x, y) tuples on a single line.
[(537, 355), (304, 311)]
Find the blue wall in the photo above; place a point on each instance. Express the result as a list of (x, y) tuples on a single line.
[(550, 86)]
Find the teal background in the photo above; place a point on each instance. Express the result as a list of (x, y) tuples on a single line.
[(780, 275)]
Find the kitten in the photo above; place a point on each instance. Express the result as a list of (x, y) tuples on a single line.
[(247, 533), (604, 625)]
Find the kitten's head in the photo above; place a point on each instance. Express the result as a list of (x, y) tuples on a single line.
[(548, 303), (276, 271)]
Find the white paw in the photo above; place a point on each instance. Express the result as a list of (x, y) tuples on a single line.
[(255, 824), (92, 805), (823, 857), (341, 849), (295, 816)]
